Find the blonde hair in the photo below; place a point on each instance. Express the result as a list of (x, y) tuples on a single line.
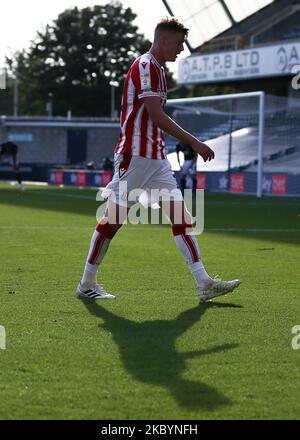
[(171, 25)]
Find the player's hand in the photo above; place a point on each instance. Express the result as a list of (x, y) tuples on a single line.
[(205, 152)]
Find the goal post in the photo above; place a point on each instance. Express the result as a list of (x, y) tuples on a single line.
[(201, 106)]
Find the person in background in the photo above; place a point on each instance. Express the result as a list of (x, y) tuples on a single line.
[(189, 168), (107, 164), (9, 150)]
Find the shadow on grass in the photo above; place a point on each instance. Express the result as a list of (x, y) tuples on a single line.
[(148, 353)]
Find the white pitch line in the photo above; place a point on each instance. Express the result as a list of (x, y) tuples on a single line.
[(250, 230), (208, 202), (54, 228), (147, 228), (57, 194), (254, 203)]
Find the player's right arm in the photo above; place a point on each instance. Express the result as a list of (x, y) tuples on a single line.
[(165, 123)]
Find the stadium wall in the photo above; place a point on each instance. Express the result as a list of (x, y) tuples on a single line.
[(46, 142), (274, 184)]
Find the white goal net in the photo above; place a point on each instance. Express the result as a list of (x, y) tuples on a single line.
[(252, 132)]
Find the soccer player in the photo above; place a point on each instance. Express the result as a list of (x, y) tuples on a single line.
[(140, 162), (189, 168), (10, 150)]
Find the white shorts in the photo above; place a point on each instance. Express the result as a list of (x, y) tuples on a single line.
[(142, 179)]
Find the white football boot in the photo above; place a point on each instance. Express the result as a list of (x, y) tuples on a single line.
[(217, 287), (93, 292)]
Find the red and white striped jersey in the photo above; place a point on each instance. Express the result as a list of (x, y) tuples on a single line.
[(139, 136)]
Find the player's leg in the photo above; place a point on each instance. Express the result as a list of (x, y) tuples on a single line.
[(129, 174), (105, 231), (19, 177), (17, 171), (182, 182), (185, 175), (185, 240), (208, 288), (172, 203)]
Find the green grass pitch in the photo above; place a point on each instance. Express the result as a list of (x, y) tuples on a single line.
[(154, 353)]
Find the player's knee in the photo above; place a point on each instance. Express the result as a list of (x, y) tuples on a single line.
[(107, 229), (182, 229)]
